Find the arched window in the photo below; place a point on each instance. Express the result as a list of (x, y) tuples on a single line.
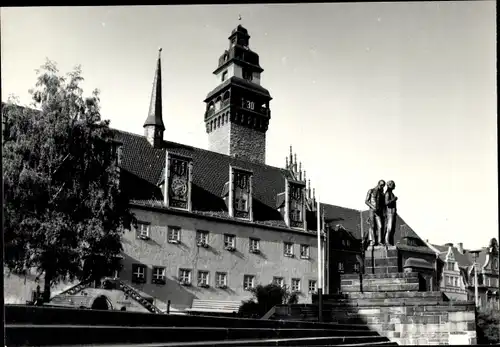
[(218, 122), (223, 116), (218, 102)]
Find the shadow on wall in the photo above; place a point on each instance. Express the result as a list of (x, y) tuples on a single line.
[(179, 297)]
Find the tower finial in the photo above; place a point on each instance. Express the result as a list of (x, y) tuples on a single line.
[(239, 17), (304, 175), (286, 160)]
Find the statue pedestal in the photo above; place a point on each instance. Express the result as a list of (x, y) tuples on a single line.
[(381, 260)]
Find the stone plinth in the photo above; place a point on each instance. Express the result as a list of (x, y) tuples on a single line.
[(388, 282), (381, 260)]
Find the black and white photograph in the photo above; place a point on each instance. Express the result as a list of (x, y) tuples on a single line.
[(263, 174)]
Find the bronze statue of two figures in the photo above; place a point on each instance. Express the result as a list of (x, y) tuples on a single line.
[(382, 213)]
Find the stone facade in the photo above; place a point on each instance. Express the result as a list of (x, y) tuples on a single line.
[(219, 139), (248, 144), (157, 251)]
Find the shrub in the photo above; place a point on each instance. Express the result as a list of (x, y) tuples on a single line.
[(488, 330)]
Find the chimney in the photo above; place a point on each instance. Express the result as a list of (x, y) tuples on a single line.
[(449, 244), (460, 247)]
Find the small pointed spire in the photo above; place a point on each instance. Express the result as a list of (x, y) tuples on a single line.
[(314, 193), (304, 175), (155, 115), (291, 156), (295, 162), (286, 158), (309, 189)]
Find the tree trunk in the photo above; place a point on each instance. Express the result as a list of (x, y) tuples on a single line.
[(46, 286)]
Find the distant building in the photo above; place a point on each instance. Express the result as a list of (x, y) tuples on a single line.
[(457, 276), (215, 223)]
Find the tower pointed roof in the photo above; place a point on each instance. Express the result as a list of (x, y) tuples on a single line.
[(155, 116)]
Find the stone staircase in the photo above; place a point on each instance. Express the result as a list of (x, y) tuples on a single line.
[(392, 303), (72, 294)]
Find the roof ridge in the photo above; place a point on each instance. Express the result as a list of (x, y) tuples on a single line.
[(206, 150)]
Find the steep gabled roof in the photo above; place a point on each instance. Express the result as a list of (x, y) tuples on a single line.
[(463, 260)]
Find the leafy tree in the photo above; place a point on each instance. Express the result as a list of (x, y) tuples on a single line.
[(63, 202), (265, 298), (488, 326)]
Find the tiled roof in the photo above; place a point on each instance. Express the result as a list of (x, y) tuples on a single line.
[(463, 260), (142, 167)]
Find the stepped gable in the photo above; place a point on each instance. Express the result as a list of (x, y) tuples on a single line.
[(463, 260)]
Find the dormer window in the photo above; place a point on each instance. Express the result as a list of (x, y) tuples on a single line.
[(240, 193), (177, 193), (295, 207)]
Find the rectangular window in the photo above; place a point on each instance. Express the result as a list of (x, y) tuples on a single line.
[(304, 251), (247, 75), (288, 249), (340, 266), (254, 245), (279, 281), (295, 285), (143, 230), (158, 275), (203, 278), (312, 286), (248, 282), (448, 280), (229, 242), (185, 276), (450, 266), (138, 273), (174, 234), (202, 238), (221, 279), (356, 267)]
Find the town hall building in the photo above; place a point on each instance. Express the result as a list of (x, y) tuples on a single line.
[(215, 223)]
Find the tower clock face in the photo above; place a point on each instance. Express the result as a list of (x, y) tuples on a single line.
[(248, 104), (179, 186)]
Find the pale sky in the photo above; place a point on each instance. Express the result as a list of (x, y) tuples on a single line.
[(363, 91)]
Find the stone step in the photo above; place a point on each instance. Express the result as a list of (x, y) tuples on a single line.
[(22, 314), (307, 341), (52, 334)]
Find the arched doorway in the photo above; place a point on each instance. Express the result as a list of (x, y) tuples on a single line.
[(101, 303)]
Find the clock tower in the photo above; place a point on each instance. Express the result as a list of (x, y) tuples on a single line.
[(237, 113)]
